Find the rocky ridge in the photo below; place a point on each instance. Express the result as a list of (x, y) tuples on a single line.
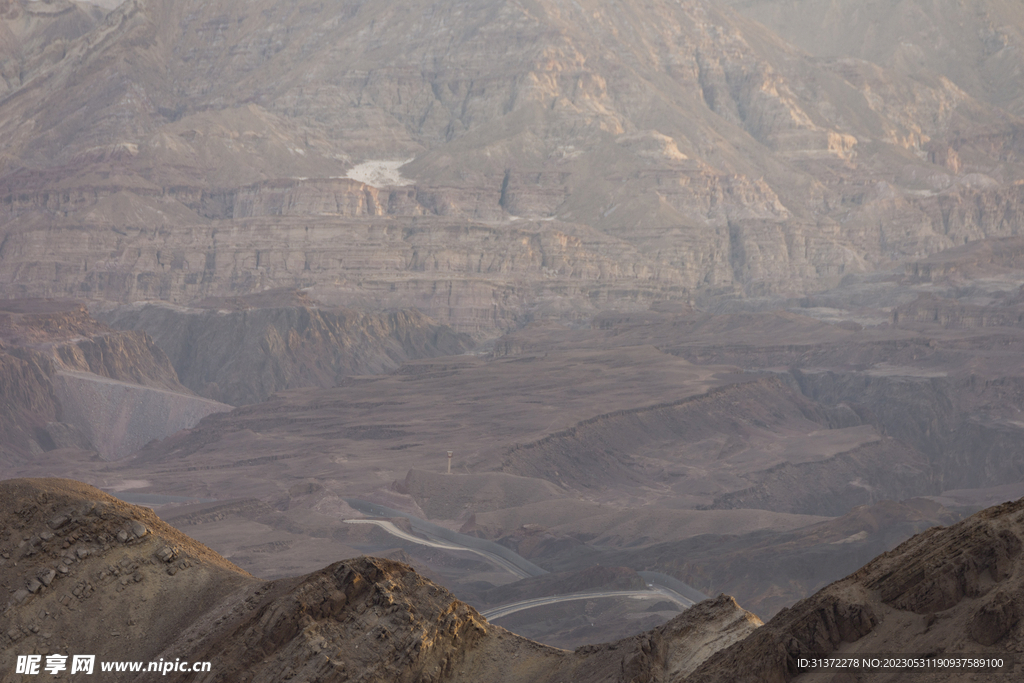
[(85, 573), (89, 574), (946, 591), (75, 556)]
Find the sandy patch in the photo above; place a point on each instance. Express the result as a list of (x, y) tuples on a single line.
[(378, 173)]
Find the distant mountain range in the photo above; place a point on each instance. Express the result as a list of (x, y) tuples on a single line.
[(494, 162)]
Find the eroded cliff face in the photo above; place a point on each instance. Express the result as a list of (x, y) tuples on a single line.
[(550, 159), (70, 382)]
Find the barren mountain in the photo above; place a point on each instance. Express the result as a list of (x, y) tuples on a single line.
[(485, 162), (747, 312), (35, 35), (638, 440), (947, 591), (710, 447), (975, 45), (88, 574)]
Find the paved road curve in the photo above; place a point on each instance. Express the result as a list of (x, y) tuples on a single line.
[(655, 591), (433, 543), (653, 594)]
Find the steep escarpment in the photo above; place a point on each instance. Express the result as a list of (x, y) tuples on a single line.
[(243, 356), (477, 278), (70, 382), (65, 332)]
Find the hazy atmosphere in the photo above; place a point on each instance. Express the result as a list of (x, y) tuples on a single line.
[(511, 341)]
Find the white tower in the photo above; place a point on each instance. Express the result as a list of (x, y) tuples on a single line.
[(449, 462)]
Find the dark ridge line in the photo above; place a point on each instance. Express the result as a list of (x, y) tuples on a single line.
[(571, 431)]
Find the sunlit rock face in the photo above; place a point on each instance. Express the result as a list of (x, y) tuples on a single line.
[(486, 163)]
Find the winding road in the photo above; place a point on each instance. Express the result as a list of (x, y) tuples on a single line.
[(433, 543), (655, 592)]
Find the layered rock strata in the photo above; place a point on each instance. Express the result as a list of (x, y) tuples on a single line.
[(547, 163), (946, 591)]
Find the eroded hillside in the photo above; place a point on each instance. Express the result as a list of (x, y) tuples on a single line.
[(745, 314), (72, 384), (242, 350)]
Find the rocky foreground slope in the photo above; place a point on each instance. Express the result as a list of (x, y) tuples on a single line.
[(87, 574), (947, 591)]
